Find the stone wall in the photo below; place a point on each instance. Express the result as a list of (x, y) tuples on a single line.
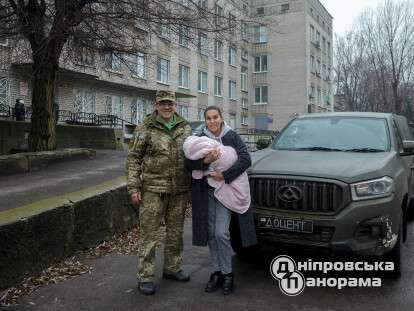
[(35, 236)]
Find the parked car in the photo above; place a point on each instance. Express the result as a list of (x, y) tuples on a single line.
[(196, 126), (338, 181)]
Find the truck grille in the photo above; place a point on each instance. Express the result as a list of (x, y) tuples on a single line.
[(315, 196)]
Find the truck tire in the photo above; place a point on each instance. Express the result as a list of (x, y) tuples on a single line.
[(244, 253)]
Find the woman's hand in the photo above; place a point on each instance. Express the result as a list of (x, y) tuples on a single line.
[(217, 176), (212, 156)]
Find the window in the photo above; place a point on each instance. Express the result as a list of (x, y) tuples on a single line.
[(113, 62), (4, 92), (312, 64), (184, 76), (232, 23), (260, 95), (318, 68), (163, 70), (244, 31), (218, 50), (218, 10), (260, 63), (232, 56), (285, 7), (218, 86), (243, 79), (114, 106), (259, 34), (232, 120), (201, 114), (328, 74), (202, 43), (323, 44), (323, 71), (232, 90), (319, 99), (329, 49), (138, 65), (4, 41), (260, 11), (202, 81), (183, 111), (141, 23), (184, 35), (244, 119), (84, 100), (318, 38), (138, 110), (87, 57), (202, 4), (245, 55), (245, 103), (312, 33), (312, 94), (165, 31)]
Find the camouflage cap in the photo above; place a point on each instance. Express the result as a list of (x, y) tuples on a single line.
[(165, 95)]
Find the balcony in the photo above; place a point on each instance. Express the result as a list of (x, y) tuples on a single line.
[(260, 48), (259, 78)]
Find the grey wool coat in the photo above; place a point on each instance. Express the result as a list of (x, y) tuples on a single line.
[(199, 194)]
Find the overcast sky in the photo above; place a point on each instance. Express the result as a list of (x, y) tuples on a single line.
[(344, 12)]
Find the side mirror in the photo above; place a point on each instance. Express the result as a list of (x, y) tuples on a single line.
[(262, 143), (408, 147)]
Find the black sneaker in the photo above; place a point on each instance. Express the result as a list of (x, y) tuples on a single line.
[(228, 284), (179, 276), (215, 282), (146, 288)]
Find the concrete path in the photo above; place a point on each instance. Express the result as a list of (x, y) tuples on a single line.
[(112, 286), (59, 178)]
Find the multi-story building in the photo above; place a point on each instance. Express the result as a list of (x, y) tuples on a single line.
[(280, 66), (291, 72)]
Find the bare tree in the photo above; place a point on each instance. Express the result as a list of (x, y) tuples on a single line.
[(385, 61), (55, 29)]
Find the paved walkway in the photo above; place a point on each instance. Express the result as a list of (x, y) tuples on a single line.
[(112, 286), (59, 178)]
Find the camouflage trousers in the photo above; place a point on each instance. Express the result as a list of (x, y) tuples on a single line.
[(154, 208)]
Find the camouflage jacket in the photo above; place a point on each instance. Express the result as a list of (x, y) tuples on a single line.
[(156, 159)]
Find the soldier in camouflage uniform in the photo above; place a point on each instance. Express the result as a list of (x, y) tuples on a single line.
[(159, 183)]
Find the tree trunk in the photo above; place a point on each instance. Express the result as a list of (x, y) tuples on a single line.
[(43, 131)]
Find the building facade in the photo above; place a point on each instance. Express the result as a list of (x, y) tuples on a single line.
[(280, 66)]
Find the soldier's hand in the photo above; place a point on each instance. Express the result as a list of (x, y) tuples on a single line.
[(136, 198)]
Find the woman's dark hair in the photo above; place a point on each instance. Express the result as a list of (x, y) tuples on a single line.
[(212, 108)]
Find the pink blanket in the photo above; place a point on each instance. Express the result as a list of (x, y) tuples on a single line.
[(236, 195)]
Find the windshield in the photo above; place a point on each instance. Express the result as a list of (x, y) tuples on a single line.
[(335, 134)]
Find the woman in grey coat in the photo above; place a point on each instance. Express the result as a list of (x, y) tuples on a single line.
[(211, 220)]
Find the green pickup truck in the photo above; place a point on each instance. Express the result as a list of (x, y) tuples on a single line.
[(338, 181)]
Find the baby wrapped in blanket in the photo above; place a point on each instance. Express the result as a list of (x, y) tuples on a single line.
[(236, 195)]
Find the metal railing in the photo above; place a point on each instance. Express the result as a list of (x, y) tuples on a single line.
[(67, 116)]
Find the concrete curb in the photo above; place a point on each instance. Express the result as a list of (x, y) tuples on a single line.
[(30, 161), (36, 235)]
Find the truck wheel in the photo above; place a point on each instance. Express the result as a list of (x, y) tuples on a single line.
[(236, 243)]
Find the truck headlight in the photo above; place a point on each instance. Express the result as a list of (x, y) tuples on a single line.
[(371, 189)]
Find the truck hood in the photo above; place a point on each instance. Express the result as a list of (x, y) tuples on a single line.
[(348, 167)]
